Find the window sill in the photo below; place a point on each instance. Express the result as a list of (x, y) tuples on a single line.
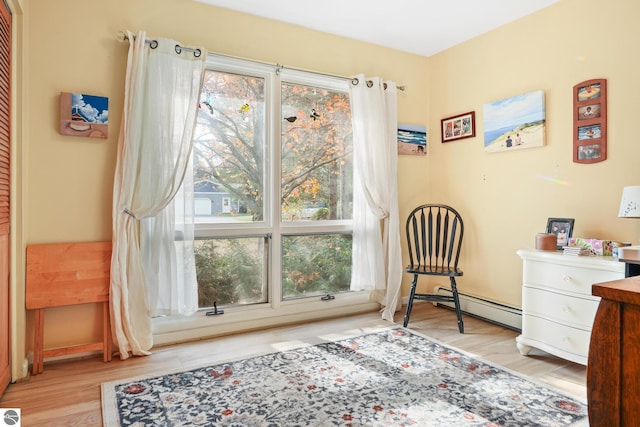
[(174, 329)]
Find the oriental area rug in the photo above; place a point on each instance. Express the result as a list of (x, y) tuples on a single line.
[(393, 377)]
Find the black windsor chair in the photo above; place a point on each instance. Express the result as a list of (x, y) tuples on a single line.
[(434, 237)]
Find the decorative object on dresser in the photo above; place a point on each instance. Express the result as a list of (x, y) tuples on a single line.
[(630, 208), (592, 246), (562, 228), (546, 241), (557, 306), (630, 202)]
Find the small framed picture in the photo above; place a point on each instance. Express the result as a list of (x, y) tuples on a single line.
[(589, 90), (84, 115), (562, 228), (459, 127), (589, 132), (588, 112), (588, 152)]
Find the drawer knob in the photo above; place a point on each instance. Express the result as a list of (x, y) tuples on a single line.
[(565, 340), (567, 278), (565, 308)]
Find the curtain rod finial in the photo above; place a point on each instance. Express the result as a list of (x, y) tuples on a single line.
[(121, 36)]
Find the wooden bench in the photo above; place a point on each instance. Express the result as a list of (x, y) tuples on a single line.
[(63, 274)]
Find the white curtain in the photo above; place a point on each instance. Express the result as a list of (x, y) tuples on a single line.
[(377, 257), (162, 89)]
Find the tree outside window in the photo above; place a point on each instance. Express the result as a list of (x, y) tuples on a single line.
[(273, 210)]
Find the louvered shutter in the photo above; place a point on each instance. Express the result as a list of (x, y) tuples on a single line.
[(5, 102)]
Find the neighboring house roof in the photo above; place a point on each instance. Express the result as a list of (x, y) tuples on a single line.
[(206, 186)]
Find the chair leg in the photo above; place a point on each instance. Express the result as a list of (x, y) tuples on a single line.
[(414, 282), (456, 301)]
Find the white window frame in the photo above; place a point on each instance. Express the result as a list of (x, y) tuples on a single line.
[(275, 312)]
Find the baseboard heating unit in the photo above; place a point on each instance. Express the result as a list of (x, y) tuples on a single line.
[(491, 311)]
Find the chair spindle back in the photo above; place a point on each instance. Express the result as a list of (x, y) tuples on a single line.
[(434, 236)]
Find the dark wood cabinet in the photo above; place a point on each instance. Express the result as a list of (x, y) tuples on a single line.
[(613, 370)]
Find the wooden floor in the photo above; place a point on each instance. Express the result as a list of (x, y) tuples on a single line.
[(68, 392)]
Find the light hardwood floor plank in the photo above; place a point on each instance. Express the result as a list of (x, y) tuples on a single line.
[(67, 393)]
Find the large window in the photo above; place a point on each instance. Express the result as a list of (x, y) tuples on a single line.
[(273, 190)]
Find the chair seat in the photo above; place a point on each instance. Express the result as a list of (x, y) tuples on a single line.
[(433, 270)]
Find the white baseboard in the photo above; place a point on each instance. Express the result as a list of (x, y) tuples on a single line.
[(491, 311)]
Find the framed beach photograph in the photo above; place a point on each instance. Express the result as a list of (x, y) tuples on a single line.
[(458, 127), (515, 123), (590, 121), (562, 228), (412, 139)]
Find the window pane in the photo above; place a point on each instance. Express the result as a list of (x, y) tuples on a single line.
[(235, 187), (315, 265), (229, 149), (317, 160), (231, 271)]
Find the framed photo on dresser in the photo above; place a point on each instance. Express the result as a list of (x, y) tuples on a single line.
[(562, 228)]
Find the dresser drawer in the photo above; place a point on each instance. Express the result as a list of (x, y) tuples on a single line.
[(564, 277), (555, 335), (573, 311)]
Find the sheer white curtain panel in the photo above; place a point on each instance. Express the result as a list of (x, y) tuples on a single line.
[(377, 257), (162, 89)]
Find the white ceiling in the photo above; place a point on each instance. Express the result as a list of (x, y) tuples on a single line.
[(423, 27)]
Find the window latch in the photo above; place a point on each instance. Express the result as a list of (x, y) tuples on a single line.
[(327, 297), (215, 311)]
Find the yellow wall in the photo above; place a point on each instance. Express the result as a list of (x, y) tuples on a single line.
[(70, 45), (506, 198)]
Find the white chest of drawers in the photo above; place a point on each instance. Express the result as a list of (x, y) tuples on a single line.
[(557, 306)]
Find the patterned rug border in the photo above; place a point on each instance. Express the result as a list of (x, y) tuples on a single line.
[(107, 388), (497, 366), (110, 409)]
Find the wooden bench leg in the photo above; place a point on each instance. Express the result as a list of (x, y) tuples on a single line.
[(106, 332), (38, 343)]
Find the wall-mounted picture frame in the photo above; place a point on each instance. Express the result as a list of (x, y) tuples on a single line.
[(590, 121), (84, 115), (412, 139), (515, 123), (562, 228), (458, 127)]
